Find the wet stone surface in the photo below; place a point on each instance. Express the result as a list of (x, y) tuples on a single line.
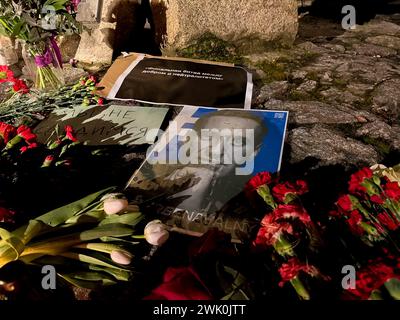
[(342, 92)]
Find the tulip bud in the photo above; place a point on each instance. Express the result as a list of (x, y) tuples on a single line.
[(121, 257), (114, 203), (48, 161), (156, 233)]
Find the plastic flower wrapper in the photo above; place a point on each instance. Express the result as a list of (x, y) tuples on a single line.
[(393, 174), (87, 247)]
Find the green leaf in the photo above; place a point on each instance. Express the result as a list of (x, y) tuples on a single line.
[(393, 286), (109, 230), (86, 284), (56, 4), (114, 239), (93, 258), (121, 275), (376, 295), (10, 246), (101, 247), (59, 216), (90, 217), (266, 195), (131, 219)]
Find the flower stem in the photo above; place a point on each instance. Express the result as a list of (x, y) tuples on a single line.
[(300, 289)]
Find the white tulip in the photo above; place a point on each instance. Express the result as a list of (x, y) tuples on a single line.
[(121, 257), (114, 203), (156, 233)]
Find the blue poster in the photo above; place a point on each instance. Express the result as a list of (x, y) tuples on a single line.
[(202, 162)]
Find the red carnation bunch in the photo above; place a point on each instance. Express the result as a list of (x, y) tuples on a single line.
[(291, 272), (288, 220), (292, 269), (373, 277), (88, 89), (283, 226), (10, 137), (20, 86), (6, 132), (17, 85), (59, 147), (372, 207), (286, 192)]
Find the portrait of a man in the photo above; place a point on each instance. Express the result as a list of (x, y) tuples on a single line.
[(216, 155)]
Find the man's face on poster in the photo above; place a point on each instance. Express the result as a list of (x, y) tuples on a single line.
[(229, 138)]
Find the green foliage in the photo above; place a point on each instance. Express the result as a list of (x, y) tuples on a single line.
[(210, 47)]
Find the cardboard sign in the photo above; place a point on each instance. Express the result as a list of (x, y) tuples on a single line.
[(176, 81), (105, 125), (203, 161)]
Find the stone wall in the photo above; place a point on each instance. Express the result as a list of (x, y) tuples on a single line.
[(267, 20), (8, 53), (115, 26)]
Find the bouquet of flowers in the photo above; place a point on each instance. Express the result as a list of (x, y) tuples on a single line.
[(37, 23), (286, 228), (378, 280), (23, 105), (90, 242), (11, 86), (371, 209)]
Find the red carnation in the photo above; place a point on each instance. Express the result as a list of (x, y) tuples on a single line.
[(377, 199), (284, 192), (292, 269), (20, 86), (69, 133), (257, 181), (272, 230), (345, 203), (275, 224), (372, 278), (392, 190), (289, 211), (6, 131), (28, 147), (6, 215), (181, 284), (389, 222), (356, 180), (6, 75), (26, 133), (23, 133), (48, 161), (354, 222)]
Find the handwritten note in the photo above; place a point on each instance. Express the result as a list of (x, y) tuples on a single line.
[(125, 125)]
